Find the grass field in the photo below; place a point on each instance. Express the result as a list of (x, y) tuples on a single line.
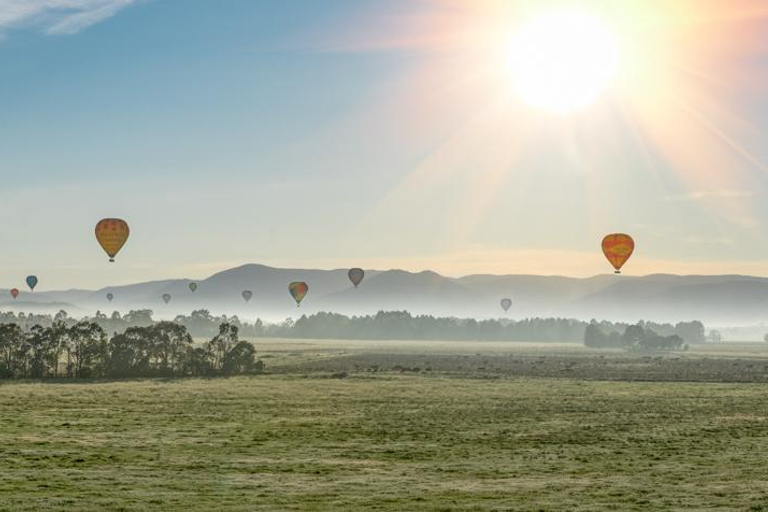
[(356, 426)]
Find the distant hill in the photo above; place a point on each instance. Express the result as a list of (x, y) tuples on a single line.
[(716, 300)]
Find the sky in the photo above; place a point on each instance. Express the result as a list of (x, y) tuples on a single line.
[(376, 134)]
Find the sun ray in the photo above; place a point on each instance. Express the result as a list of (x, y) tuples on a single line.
[(675, 96)]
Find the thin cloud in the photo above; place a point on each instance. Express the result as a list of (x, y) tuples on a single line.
[(710, 194), (57, 17), (700, 240)]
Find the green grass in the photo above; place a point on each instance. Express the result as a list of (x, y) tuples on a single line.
[(384, 441)]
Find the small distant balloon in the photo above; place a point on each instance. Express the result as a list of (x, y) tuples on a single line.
[(298, 289), (192, 287), (110, 296), (166, 298), (618, 247), (14, 293), (32, 282), (111, 235), (506, 304), (356, 275), (247, 294)]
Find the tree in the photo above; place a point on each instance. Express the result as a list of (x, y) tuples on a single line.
[(240, 359), (691, 332), (129, 354), (87, 350), (58, 342), (615, 340), (140, 318), (258, 327), (633, 335), (714, 337), (11, 350), (200, 362), (221, 344), (594, 336), (169, 345), (38, 342), (653, 341)]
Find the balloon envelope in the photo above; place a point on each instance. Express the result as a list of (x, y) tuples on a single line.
[(247, 294), (166, 298), (298, 290), (192, 287), (14, 293), (506, 304), (618, 247), (356, 275), (110, 296), (32, 282), (111, 235)]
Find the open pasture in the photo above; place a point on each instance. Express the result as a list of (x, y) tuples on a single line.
[(309, 437), (726, 362)]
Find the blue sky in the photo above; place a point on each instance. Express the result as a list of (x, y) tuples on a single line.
[(339, 133)]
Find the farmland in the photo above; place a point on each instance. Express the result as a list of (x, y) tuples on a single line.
[(345, 425)]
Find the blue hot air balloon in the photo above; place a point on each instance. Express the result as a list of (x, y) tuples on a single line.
[(32, 282)]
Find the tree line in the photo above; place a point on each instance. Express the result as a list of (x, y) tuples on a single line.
[(82, 350), (400, 325), (403, 325), (635, 337)]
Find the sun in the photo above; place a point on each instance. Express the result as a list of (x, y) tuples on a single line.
[(562, 61)]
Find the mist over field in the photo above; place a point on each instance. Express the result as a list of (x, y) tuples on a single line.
[(729, 302)]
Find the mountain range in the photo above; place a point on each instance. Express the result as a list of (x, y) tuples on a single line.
[(723, 300)]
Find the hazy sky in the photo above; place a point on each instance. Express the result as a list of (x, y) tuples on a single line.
[(376, 134)]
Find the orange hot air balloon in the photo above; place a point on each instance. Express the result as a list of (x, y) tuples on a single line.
[(14, 293), (618, 247), (298, 290), (112, 234)]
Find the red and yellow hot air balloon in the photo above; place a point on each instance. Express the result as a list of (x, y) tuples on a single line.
[(618, 247), (298, 290), (112, 234), (15, 293)]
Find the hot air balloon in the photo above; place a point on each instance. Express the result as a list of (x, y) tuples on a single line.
[(247, 294), (166, 298), (15, 293), (112, 234), (298, 290), (356, 275), (192, 287), (506, 304), (32, 282), (618, 247), (110, 296)]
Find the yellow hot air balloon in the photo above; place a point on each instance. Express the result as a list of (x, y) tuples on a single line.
[(298, 290), (618, 247), (112, 234)]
